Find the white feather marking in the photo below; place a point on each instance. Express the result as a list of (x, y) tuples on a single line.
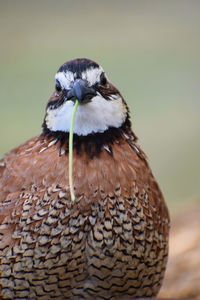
[(107, 149), (2, 164), (136, 149), (43, 149), (62, 151), (114, 96), (126, 136), (95, 116), (52, 143)]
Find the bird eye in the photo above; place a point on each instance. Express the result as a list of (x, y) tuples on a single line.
[(103, 79), (58, 87)]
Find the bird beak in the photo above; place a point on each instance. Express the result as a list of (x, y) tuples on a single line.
[(81, 91)]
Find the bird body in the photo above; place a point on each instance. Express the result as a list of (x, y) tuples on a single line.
[(113, 240)]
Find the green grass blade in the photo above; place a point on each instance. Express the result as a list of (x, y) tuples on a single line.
[(71, 133)]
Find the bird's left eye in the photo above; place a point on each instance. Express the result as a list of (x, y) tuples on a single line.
[(58, 87), (103, 79)]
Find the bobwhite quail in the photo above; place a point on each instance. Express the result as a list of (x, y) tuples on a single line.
[(112, 241)]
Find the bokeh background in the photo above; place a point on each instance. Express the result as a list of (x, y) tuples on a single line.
[(150, 51)]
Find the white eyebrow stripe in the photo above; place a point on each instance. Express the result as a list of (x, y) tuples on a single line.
[(92, 75), (65, 79)]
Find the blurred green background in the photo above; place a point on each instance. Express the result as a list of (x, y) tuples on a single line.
[(150, 51)]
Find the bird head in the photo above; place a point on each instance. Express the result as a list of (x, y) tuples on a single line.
[(101, 104)]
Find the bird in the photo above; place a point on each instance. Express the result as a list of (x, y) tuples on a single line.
[(112, 241)]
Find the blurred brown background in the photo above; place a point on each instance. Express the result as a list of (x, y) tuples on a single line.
[(150, 51)]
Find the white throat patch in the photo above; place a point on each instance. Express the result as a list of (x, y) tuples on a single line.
[(95, 116)]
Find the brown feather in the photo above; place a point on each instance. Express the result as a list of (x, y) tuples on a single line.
[(112, 241)]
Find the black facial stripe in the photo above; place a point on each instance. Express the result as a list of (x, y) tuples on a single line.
[(58, 86), (105, 93), (106, 96), (55, 103), (103, 79)]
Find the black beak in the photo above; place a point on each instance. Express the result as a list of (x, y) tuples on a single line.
[(81, 91)]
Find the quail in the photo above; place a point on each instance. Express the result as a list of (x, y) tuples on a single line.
[(112, 241)]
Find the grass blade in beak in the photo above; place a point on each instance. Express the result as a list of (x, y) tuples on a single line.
[(71, 186)]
